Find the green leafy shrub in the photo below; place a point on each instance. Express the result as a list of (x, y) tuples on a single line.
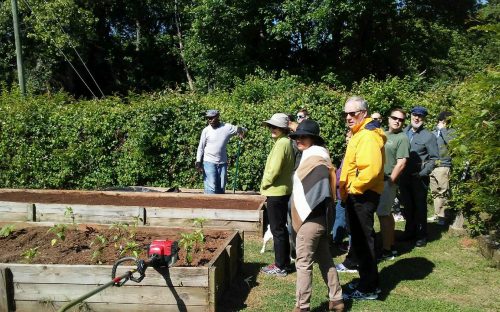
[(476, 122)]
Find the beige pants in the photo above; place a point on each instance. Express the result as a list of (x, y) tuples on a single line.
[(440, 189), (312, 246)]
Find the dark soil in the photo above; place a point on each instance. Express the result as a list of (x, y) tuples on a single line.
[(177, 200), (80, 245)]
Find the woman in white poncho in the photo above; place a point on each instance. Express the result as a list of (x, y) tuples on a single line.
[(312, 216)]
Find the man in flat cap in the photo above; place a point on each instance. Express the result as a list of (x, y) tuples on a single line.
[(440, 176), (414, 181), (211, 157)]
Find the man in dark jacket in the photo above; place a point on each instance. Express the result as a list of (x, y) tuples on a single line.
[(414, 182), (440, 176)]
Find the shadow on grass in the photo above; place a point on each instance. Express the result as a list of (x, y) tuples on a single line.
[(434, 233), (409, 269), (234, 298)]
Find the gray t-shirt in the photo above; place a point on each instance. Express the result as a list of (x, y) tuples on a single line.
[(396, 147), (212, 147)]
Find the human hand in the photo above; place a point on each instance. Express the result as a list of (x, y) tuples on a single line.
[(241, 132), (198, 167)]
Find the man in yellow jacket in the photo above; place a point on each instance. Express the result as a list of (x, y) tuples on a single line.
[(361, 183)]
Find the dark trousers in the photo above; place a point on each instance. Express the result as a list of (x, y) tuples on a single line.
[(413, 193), (360, 212), (277, 208)]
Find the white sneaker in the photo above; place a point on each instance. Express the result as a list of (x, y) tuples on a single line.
[(398, 217), (432, 219), (357, 295), (343, 269)]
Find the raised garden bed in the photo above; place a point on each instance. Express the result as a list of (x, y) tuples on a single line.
[(240, 211), (63, 272)]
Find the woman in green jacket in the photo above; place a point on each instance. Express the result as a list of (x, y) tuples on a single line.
[(277, 186)]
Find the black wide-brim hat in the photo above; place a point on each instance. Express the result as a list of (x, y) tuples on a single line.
[(307, 127)]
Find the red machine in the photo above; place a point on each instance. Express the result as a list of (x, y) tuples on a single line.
[(163, 253)]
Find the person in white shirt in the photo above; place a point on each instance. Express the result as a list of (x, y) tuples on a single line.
[(211, 157)]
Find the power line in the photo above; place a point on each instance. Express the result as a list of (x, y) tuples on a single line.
[(66, 58), (81, 60)]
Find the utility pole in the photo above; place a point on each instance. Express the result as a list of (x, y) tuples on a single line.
[(19, 50)]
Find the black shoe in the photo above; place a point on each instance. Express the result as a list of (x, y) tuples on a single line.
[(387, 255), (406, 237), (421, 242)]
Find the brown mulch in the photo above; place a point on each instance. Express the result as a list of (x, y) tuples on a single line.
[(78, 246)]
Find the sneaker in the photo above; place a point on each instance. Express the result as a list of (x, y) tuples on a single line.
[(353, 285), (421, 242), (387, 255), (272, 269), (432, 219), (357, 295), (343, 269), (398, 217)]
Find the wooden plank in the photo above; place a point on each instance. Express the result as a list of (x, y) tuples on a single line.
[(12, 211), (31, 212), (235, 257), (6, 290), (100, 210), (213, 224), (246, 197), (35, 306), (125, 294), (89, 213), (100, 274), (217, 280), (12, 216), (219, 274), (217, 214)]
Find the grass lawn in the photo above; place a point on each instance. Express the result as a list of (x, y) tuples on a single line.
[(449, 274)]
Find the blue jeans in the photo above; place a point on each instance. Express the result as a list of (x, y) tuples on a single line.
[(339, 230), (214, 178)]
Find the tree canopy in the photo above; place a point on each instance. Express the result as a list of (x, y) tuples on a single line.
[(207, 45)]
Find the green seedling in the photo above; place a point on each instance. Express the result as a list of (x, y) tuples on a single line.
[(131, 247), (191, 241), (6, 230), (60, 231), (68, 212), (101, 243), (121, 230), (30, 254), (135, 224)]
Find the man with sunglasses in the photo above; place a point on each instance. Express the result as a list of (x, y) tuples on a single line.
[(397, 151), (211, 157), (414, 182), (361, 183)]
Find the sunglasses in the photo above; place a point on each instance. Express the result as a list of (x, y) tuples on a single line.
[(352, 114), (396, 118), (272, 127), (418, 115), (301, 116), (210, 118)]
